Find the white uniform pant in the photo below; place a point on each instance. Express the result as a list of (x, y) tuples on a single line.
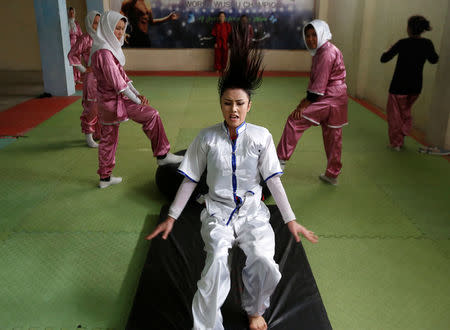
[(260, 274)]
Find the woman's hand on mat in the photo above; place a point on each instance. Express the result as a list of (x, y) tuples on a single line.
[(143, 99), (164, 227), (296, 229)]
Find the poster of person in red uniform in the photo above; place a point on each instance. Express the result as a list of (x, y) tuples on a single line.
[(276, 24)]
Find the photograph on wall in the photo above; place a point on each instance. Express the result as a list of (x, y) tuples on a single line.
[(276, 24)]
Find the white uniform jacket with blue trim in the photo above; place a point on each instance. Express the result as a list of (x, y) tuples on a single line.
[(234, 168)]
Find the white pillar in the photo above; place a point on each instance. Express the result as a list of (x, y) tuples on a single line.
[(54, 44)]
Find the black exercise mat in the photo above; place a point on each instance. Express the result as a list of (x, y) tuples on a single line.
[(169, 280)]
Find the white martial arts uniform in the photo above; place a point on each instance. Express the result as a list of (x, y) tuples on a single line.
[(234, 214)]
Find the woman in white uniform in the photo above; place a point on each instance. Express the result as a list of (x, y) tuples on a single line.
[(236, 153)]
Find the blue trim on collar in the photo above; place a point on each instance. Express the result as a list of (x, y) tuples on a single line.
[(241, 128)]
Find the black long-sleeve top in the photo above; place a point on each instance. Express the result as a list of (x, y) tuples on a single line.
[(412, 54)]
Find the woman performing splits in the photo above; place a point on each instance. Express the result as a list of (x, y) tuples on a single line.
[(235, 153), (325, 103), (118, 100), (81, 50)]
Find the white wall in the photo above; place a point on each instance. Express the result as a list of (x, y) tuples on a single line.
[(20, 46), (347, 35), (203, 60), (438, 128)]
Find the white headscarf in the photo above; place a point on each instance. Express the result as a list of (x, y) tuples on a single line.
[(105, 38), (89, 21), (72, 25), (323, 34)]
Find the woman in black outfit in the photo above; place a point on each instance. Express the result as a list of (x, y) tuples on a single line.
[(406, 83)]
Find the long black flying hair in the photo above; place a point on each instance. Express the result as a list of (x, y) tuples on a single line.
[(244, 68)]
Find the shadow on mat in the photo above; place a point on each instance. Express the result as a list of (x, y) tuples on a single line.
[(52, 146), (129, 284)]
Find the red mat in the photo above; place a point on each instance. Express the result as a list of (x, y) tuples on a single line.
[(27, 115)]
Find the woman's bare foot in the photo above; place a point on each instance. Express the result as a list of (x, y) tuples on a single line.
[(257, 322)]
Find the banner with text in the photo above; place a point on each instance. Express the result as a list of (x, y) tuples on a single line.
[(276, 24)]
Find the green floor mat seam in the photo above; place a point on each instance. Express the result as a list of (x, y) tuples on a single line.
[(413, 220)]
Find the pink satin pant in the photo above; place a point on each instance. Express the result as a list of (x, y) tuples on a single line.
[(151, 125), (332, 141), (399, 117), (89, 117), (76, 75)]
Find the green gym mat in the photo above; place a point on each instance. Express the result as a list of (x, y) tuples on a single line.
[(71, 254)]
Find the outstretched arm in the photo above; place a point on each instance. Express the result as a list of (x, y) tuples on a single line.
[(171, 17), (432, 57), (279, 195), (390, 53), (183, 194), (143, 99)]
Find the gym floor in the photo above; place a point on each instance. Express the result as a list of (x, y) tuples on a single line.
[(71, 254)]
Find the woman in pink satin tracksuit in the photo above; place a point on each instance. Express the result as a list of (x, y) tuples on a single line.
[(325, 104), (81, 50), (118, 100), (74, 32)]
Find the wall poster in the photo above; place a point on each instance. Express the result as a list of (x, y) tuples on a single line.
[(277, 24)]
